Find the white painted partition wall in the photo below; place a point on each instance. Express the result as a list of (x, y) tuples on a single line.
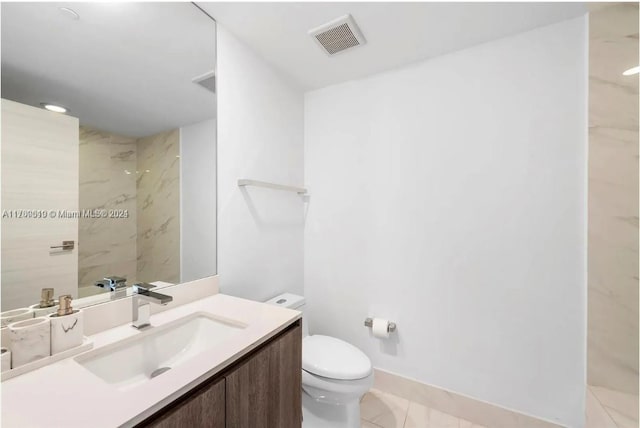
[(450, 197), (260, 133), (198, 208)]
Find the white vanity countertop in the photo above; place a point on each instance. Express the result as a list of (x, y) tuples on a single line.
[(65, 394)]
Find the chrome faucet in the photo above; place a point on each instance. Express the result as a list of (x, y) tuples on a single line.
[(141, 309), (116, 284)]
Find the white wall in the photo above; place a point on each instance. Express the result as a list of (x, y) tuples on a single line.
[(198, 200), (449, 197), (260, 136)]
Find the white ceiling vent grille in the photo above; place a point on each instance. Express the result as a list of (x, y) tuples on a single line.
[(338, 35)]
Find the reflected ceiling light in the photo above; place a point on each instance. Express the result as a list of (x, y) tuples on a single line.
[(631, 71), (70, 13), (54, 108)]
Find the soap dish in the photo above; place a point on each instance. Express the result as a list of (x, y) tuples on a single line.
[(26, 368)]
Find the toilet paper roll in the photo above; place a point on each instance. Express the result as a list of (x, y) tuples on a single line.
[(5, 359), (380, 328)]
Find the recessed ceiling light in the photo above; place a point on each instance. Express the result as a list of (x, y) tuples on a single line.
[(53, 107), (631, 71), (69, 13)]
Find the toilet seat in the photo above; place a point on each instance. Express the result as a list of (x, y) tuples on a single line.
[(333, 390), (332, 358)]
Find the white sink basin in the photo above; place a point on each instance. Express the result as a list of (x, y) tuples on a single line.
[(138, 359)]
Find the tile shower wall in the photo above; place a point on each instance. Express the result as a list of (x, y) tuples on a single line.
[(140, 176), (107, 246), (613, 199), (158, 207)]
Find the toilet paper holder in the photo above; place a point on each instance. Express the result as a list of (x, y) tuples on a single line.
[(390, 328)]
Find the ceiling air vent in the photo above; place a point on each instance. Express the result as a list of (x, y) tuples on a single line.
[(338, 35)]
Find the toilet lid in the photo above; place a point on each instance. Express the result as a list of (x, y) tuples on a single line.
[(333, 358)]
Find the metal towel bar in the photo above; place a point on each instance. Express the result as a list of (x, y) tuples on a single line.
[(246, 182)]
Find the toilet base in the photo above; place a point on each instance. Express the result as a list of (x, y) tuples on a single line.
[(317, 414)]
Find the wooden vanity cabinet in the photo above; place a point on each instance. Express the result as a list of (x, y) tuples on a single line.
[(261, 390), (202, 407)]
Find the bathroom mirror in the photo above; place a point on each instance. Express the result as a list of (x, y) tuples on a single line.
[(122, 183)]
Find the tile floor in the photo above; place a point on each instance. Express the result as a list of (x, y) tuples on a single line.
[(605, 409), (383, 410), (611, 409)]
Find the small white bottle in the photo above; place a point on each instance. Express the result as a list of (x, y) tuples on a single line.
[(66, 326)]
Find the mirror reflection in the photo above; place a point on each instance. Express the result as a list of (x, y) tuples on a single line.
[(102, 104)]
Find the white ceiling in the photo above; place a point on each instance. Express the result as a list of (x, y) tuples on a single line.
[(125, 68), (396, 33)]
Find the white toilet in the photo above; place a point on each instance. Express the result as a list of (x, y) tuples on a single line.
[(335, 375)]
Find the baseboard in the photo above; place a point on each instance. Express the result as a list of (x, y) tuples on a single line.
[(461, 406)]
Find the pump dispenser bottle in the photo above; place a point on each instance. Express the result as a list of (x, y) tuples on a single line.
[(47, 305), (66, 326)]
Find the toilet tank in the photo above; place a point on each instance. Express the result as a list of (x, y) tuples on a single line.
[(292, 301)]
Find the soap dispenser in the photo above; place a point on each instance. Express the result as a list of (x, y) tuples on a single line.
[(47, 305), (66, 326)]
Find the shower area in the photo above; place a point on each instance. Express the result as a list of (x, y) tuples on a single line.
[(612, 337), (137, 179)]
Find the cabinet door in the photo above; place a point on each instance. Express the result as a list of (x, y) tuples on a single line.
[(203, 408), (265, 391)]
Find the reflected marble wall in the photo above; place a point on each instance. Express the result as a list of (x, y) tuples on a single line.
[(107, 246), (158, 207), (613, 199)]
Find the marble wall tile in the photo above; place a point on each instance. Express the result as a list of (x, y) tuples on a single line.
[(612, 356), (87, 275), (158, 207), (107, 246)]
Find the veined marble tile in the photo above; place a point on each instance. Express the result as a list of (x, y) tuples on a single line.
[(613, 199), (420, 416), (597, 416), (158, 207), (384, 410), (88, 275), (468, 424), (107, 246), (621, 407)]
